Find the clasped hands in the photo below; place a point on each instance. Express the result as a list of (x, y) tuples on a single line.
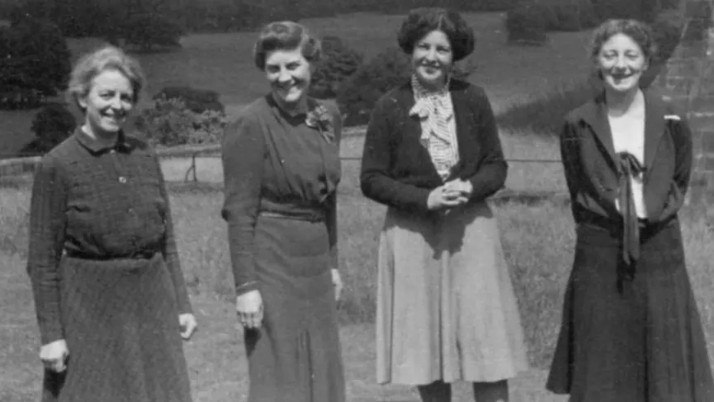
[(449, 195)]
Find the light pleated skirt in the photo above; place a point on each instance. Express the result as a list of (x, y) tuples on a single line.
[(446, 309)]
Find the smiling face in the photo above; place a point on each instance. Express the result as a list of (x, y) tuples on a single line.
[(432, 59), (289, 75), (621, 63), (108, 103)]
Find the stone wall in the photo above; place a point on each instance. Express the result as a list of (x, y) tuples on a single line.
[(688, 81)]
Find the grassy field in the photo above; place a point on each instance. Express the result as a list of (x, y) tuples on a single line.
[(223, 62), (537, 237)]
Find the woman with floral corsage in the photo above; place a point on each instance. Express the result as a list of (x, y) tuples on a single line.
[(281, 166), (446, 309)]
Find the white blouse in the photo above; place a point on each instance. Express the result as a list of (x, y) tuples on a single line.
[(628, 135)]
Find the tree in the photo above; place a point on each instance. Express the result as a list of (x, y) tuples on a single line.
[(35, 62)]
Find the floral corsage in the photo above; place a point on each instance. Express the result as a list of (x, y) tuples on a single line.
[(321, 119)]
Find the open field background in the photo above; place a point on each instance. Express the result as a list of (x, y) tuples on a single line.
[(537, 233), (223, 62)]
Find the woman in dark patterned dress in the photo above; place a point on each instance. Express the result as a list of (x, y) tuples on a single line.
[(631, 330), (281, 166), (446, 309), (109, 292)]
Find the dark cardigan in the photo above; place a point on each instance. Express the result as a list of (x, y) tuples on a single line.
[(396, 168)]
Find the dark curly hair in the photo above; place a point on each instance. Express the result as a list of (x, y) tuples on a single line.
[(421, 21), (640, 33), (285, 35)]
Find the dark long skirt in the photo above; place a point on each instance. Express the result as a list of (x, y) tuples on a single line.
[(643, 343), (295, 355), (122, 331)]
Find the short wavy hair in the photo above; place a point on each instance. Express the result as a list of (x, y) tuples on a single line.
[(103, 59), (285, 35), (421, 21), (640, 33)]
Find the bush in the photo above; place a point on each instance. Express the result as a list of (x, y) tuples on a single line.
[(52, 125), (527, 24), (196, 100), (35, 63), (571, 16), (384, 72), (337, 65), (171, 123)]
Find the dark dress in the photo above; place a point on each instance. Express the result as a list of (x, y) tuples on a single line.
[(280, 206), (630, 332), (105, 273)]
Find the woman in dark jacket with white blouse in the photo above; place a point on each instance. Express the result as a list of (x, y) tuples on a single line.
[(446, 308), (631, 329)]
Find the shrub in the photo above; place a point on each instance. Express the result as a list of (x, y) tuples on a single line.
[(171, 123), (571, 16), (337, 65), (527, 24), (53, 124), (196, 100), (35, 63), (384, 72)]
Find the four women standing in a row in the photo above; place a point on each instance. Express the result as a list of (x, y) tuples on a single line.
[(446, 307)]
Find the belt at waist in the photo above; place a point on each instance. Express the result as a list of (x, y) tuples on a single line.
[(310, 216), (616, 226), (139, 255)]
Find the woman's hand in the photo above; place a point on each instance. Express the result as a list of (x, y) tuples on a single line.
[(337, 282), (54, 355), (188, 325), (463, 187), (445, 197), (250, 309)]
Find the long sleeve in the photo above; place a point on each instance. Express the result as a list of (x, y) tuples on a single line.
[(682, 138), (47, 234), (375, 180), (569, 151), (242, 156), (331, 218), (491, 175), (170, 251)]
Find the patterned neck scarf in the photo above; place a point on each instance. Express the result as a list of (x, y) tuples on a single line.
[(438, 133)]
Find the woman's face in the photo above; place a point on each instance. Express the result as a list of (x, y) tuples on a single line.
[(432, 58), (289, 75), (109, 102), (621, 63)]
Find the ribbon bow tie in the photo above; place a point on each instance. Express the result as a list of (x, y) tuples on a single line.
[(630, 167)]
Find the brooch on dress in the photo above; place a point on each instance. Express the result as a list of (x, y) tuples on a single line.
[(321, 119)]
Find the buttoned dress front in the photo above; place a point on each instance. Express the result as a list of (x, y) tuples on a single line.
[(105, 273), (281, 178)]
